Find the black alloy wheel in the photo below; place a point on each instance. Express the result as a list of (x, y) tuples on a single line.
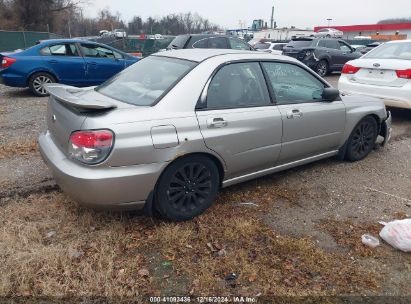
[(187, 188), (362, 139)]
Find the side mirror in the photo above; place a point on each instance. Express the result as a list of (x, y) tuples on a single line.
[(330, 94)]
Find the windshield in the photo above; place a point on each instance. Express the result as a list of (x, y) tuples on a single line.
[(146, 81), (262, 46), (400, 50), (299, 43)]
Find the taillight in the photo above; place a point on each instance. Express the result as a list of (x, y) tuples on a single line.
[(7, 61), (406, 74), (350, 69), (91, 147)]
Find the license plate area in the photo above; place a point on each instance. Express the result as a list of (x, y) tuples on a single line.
[(376, 74)]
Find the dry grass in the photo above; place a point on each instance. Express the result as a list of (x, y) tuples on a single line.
[(123, 256), (22, 147), (348, 235)]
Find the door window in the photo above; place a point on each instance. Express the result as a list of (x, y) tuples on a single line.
[(322, 43), (332, 44), (96, 51), (238, 85), (345, 48), (217, 43), (292, 84), (237, 44), (67, 49), (200, 44)]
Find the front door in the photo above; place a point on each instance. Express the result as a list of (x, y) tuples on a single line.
[(311, 126), (238, 120), (346, 54)]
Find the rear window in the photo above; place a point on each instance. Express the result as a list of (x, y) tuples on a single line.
[(146, 81), (262, 46), (401, 50), (299, 43)]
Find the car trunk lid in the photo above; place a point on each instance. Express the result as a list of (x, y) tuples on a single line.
[(69, 107), (380, 72)]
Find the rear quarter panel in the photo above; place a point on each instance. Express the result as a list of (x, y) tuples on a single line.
[(19, 73)]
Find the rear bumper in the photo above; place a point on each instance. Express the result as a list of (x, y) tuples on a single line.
[(115, 188), (399, 97), (12, 80)]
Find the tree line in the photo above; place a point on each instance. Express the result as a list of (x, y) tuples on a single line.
[(395, 20), (65, 17)]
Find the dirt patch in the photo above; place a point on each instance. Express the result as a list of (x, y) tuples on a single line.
[(348, 235), (18, 148)]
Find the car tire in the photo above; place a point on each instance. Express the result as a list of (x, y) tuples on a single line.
[(322, 68), (362, 139), (328, 36), (37, 81), (187, 188)]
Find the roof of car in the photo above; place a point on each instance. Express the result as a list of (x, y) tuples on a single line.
[(199, 55), (73, 40)]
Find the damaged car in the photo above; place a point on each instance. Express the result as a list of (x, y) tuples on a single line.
[(171, 130)]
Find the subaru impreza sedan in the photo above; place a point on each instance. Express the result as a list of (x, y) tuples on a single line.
[(170, 131)]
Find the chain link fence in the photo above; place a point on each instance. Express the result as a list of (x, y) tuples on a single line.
[(14, 40)]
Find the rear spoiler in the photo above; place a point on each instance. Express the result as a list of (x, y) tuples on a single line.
[(66, 95)]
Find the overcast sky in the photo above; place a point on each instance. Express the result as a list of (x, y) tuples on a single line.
[(228, 13)]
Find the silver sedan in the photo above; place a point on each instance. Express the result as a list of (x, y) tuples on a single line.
[(169, 131)]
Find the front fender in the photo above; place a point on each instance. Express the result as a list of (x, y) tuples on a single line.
[(358, 107)]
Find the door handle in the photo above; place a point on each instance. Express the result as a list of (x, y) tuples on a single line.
[(53, 61), (294, 114), (216, 123)]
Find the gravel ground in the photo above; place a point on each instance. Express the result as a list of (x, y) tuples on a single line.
[(361, 192)]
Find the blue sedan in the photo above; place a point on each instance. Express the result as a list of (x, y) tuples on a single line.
[(71, 61)]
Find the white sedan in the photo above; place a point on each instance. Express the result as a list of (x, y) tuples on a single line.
[(385, 72), (329, 33), (270, 47)]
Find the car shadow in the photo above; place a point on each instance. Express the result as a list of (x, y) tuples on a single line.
[(16, 93)]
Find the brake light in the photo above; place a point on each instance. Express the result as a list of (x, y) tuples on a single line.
[(406, 74), (7, 61), (91, 147), (350, 69)]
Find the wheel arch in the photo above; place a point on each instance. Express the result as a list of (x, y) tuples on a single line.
[(213, 158), (40, 71)]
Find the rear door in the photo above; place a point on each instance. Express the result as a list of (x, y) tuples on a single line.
[(334, 52), (310, 125), (238, 120), (65, 62), (101, 63)]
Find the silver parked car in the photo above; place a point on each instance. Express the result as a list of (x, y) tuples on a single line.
[(173, 128)]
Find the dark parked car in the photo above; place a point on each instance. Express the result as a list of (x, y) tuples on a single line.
[(323, 55), (370, 47), (203, 41), (68, 61)]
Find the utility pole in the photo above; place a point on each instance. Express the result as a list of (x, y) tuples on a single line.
[(272, 18), (69, 27)]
